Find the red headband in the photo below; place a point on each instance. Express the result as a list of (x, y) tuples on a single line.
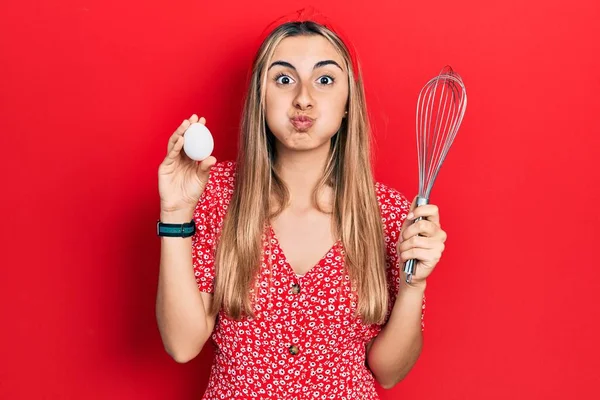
[(311, 14)]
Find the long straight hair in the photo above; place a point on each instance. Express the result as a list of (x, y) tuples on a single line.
[(260, 194)]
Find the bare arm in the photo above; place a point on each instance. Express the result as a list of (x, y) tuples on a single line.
[(181, 309), (395, 350)]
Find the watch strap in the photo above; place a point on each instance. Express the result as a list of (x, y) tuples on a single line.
[(175, 230)]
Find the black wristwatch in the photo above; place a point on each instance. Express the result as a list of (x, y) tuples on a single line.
[(175, 230)]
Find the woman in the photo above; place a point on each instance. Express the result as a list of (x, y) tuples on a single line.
[(294, 269)]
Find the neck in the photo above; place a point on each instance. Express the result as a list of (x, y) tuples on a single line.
[(301, 171)]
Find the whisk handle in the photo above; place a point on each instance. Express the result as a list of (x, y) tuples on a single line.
[(410, 266)]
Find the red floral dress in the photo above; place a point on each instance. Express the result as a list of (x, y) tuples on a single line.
[(304, 341)]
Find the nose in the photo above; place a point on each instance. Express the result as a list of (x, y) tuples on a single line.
[(303, 99)]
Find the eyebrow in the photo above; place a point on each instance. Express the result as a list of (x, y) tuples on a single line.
[(317, 65)]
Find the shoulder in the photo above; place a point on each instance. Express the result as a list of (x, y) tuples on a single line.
[(391, 200), (221, 180), (222, 174), (394, 207), (219, 189)]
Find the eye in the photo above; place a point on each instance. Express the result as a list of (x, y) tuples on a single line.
[(285, 81), (323, 80)]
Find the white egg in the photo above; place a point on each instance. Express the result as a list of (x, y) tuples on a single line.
[(198, 143)]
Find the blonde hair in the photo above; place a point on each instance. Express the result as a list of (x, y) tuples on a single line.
[(259, 190)]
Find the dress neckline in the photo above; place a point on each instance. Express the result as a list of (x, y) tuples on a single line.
[(286, 261)]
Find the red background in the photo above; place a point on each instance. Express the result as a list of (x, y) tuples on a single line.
[(91, 90)]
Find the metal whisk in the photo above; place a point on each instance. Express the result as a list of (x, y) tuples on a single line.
[(440, 110)]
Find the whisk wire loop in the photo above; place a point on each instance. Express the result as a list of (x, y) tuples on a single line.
[(441, 107)]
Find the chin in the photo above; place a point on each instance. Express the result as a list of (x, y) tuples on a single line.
[(302, 141), (301, 145)]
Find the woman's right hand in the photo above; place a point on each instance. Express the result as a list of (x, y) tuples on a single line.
[(182, 180)]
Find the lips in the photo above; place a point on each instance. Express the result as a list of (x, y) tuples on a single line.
[(302, 122)]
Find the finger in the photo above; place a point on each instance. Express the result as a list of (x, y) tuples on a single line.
[(175, 150), (430, 212), (421, 242), (415, 254), (177, 134), (408, 221), (193, 119), (183, 127), (422, 227), (202, 121), (204, 166), (425, 256), (413, 205)]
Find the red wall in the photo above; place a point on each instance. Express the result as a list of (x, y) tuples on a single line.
[(91, 90)]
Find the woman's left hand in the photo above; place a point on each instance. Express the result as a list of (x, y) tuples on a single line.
[(422, 240)]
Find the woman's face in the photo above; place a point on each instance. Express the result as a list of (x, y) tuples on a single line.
[(306, 92)]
